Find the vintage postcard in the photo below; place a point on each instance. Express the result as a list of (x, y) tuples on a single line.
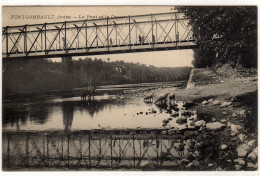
[(129, 88)]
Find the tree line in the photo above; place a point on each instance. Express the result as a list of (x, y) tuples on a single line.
[(37, 75), (224, 34)]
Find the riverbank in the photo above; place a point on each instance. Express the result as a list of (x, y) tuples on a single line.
[(232, 102)]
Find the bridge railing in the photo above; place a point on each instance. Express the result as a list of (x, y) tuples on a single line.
[(88, 35)]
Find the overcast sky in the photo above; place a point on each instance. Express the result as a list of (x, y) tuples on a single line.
[(175, 58)]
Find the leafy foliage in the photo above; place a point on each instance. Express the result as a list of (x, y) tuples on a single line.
[(235, 28), (37, 75)]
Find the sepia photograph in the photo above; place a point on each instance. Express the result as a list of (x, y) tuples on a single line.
[(129, 88)]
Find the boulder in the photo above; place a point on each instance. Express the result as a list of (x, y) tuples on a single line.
[(200, 123), (204, 102), (223, 120), (251, 143), (216, 102), (242, 137), (185, 161), (210, 100), (238, 167), (251, 165), (242, 150), (223, 147), (214, 126), (253, 154), (240, 161), (235, 129), (225, 104), (210, 165)]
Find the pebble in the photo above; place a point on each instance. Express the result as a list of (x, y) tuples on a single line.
[(225, 104), (223, 147), (216, 102), (235, 129), (214, 126), (242, 137), (238, 167), (200, 123), (251, 143), (204, 102), (224, 113), (223, 120), (252, 165), (164, 132), (253, 154), (213, 119), (184, 161), (242, 150), (219, 169), (196, 163), (189, 165), (240, 161), (234, 115), (242, 112), (210, 100), (210, 165)]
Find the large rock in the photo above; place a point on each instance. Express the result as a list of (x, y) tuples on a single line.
[(204, 102), (242, 150), (240, 161), (251, 143), (223, 147), (214, 126), (216, 102), (238, 167), (200, 123), (242, 137), (235, 129), (252, 165), (253, 154), (225, 104), (210, 100)]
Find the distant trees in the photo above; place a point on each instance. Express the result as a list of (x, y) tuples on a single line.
[(236, 28), (40, 74)]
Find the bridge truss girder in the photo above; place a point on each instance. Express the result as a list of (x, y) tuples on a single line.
[(100, 36)]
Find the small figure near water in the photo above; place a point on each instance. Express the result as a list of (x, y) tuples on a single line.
[(89, 92)]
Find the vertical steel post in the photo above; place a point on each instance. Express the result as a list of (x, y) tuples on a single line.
[(153, 38), (129, 33), (116, 34), (65, 36), (25, 41), (45, 39), (96, 36), (41, 41), (86, 33), (6, 33), (175, 30), (107, 36)]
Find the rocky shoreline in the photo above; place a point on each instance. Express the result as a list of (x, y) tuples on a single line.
[(227, 110)]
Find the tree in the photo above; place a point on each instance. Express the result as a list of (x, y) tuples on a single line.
[(235, 28)]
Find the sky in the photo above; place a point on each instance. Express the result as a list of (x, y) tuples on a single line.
[(12, 16)]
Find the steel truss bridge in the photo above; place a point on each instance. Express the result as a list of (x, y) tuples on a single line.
[(93, 150), (141, 33)]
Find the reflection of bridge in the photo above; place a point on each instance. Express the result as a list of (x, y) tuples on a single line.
[(154, 32), (92, 150)]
